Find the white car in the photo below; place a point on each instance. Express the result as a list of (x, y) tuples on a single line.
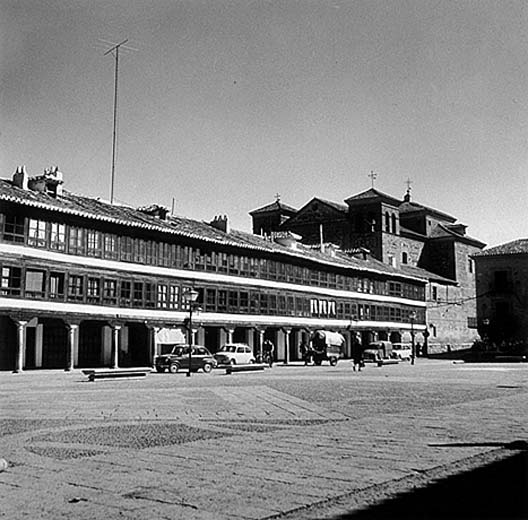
[(401, 351), (235, 354)]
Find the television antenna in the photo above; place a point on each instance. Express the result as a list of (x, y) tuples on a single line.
[(115, 51)]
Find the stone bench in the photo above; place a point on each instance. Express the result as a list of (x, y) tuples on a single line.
[(112, 373), (245, 368), (386, 361)]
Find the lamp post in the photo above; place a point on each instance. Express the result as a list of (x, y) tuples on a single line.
[(412, 317), (190, 296)]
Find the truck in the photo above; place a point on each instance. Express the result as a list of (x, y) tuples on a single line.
[(327, 345)]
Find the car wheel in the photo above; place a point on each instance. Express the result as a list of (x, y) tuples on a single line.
[(174, 368), (318, 361), (207, 368), (160, 370), (252, 360), (333, 361), (233, 362)]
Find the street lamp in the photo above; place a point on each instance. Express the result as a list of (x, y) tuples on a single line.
[(190, 296), (412, 317)]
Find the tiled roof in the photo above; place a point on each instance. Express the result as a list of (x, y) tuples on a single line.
[(335, 205), (372, 193), (99, 210), (274, 206), (412, 207), (515, 247), (441, 231)]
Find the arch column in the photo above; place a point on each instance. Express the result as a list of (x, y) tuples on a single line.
[(229, 333), (261, 341), (73, 338), (21, 345), (287, 336), (116, 328)]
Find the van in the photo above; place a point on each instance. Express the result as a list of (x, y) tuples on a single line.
[(328, 346)]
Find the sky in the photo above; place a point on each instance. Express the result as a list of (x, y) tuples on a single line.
[(225, 104)]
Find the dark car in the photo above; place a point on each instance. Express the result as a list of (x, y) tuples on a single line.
[(178, 359)]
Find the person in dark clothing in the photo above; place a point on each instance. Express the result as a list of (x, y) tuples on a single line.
[(303, 349), (269, 349), (357, 355)]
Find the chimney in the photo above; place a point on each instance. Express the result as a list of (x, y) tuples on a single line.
[(20, 178), (221, 222), (155, 210)]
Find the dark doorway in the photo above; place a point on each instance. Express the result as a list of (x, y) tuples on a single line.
[(212, 338), (54, 344), (91, 344), (138, 354), (8, 343), (29, 358)]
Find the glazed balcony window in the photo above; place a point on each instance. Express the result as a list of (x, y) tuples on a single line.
[(111, 250), (126, 293), (13, 228), (93, 243), (37, 233), (93, 290), (75, 287), (174, 292), (56, 286), (10, 283), (162, 296), (76, 241), (35, 286), (57, 236), (110, 292)]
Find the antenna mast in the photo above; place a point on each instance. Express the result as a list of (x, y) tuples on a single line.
[(114, 150)]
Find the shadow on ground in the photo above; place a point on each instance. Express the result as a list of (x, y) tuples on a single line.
[(496, 491)]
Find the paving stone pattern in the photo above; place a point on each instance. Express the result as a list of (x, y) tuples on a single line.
[(250, 446)]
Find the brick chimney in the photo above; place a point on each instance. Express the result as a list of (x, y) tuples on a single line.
[(20, 178), (221, 222)]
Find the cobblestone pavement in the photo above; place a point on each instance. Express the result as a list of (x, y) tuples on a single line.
[(292, 442)]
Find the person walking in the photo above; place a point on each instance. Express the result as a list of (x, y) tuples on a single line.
[(303, 349), (357, 355), (269, 349)]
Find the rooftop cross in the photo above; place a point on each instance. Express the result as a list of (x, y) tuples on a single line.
[(372, 176), (409, 186), (277, 197)]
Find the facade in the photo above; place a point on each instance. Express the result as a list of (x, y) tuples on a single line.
[(411, 237), (502, 293), (85, 283)]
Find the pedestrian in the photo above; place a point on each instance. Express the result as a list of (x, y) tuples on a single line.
[(357, 355), (309, 355), (303, 349), (269, 349)]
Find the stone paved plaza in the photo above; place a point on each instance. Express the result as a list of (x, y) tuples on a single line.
[(288, 442)]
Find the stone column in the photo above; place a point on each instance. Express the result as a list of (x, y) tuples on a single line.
[(230, 333), (260, 342), (21, 345), (73, 331), (115, 345), (287, 337)]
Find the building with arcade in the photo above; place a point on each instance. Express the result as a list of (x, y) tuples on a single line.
[(86, 283)]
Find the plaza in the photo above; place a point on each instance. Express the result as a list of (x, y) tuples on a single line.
[(288, 442)]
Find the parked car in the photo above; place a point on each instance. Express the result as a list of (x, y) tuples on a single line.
[(377, 351), (401, 351), (178, 359), (235, 354), (327, 345)]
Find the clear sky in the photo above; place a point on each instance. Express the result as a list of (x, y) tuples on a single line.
[(227, 103)]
